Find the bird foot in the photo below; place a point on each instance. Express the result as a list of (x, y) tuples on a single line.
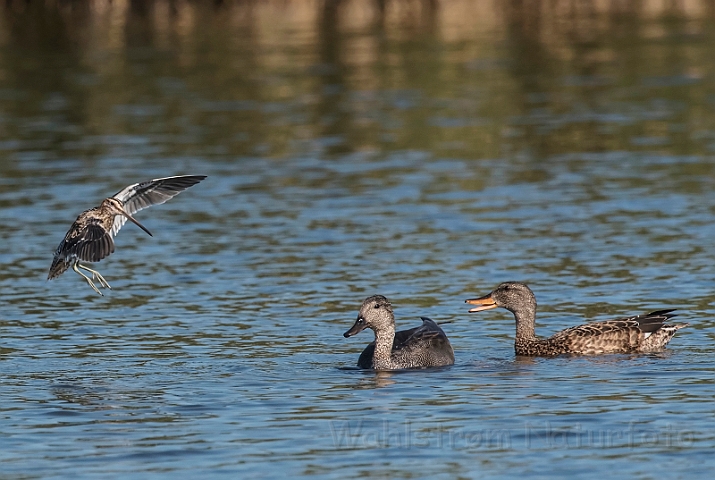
[(100, 278), (95, 276), (94, 287)]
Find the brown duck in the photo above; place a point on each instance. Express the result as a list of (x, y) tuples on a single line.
[(638, 334), (419, 347)]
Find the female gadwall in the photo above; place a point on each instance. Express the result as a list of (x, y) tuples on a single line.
[(419, 347), (639, 334)]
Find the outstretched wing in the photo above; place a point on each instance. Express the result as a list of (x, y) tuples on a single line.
[(88, 241), (153, 192)]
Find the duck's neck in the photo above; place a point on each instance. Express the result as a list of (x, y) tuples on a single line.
[(525, 320), (384, 338)]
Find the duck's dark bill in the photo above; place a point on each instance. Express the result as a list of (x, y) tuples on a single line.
[(485, 303), (358, 327)]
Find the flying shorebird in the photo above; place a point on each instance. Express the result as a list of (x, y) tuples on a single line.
[(91, 236)]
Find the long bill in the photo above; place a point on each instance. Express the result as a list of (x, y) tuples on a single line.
[(129, 217), (485, 303)]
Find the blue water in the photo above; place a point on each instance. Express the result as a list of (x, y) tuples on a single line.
[(334, 175)]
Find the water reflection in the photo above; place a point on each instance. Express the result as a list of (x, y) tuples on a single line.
[(556, 79), (379, 379)]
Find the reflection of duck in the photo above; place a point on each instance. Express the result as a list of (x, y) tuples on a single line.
[(638, 334), (419, 347)]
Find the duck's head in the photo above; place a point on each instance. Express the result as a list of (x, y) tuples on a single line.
[(514, 296), (375, 313)]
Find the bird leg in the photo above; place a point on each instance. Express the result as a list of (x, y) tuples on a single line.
[(95, 275), (89, 280)]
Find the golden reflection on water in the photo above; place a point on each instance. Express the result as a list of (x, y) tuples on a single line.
[(462, 78)]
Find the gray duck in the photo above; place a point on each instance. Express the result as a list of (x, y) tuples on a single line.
[(638, 334), (419, 347)]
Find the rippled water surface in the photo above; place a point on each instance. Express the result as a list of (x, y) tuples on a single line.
[(427, 156)]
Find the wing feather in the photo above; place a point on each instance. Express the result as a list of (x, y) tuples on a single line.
[(427, 339), (612, 335), (152, 192), (90, 242)]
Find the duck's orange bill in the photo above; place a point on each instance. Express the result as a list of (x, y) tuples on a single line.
[(485, 303)]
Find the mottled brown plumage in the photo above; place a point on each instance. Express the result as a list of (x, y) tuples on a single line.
[(638, 334), (91, 236), (419, 347)]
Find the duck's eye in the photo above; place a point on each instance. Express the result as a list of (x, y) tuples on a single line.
[(377, 305)]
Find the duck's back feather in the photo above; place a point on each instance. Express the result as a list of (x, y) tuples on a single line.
[(423, 346), (640, 333)]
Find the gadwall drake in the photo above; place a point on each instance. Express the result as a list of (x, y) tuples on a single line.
[(419, 347), (638, 334)]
